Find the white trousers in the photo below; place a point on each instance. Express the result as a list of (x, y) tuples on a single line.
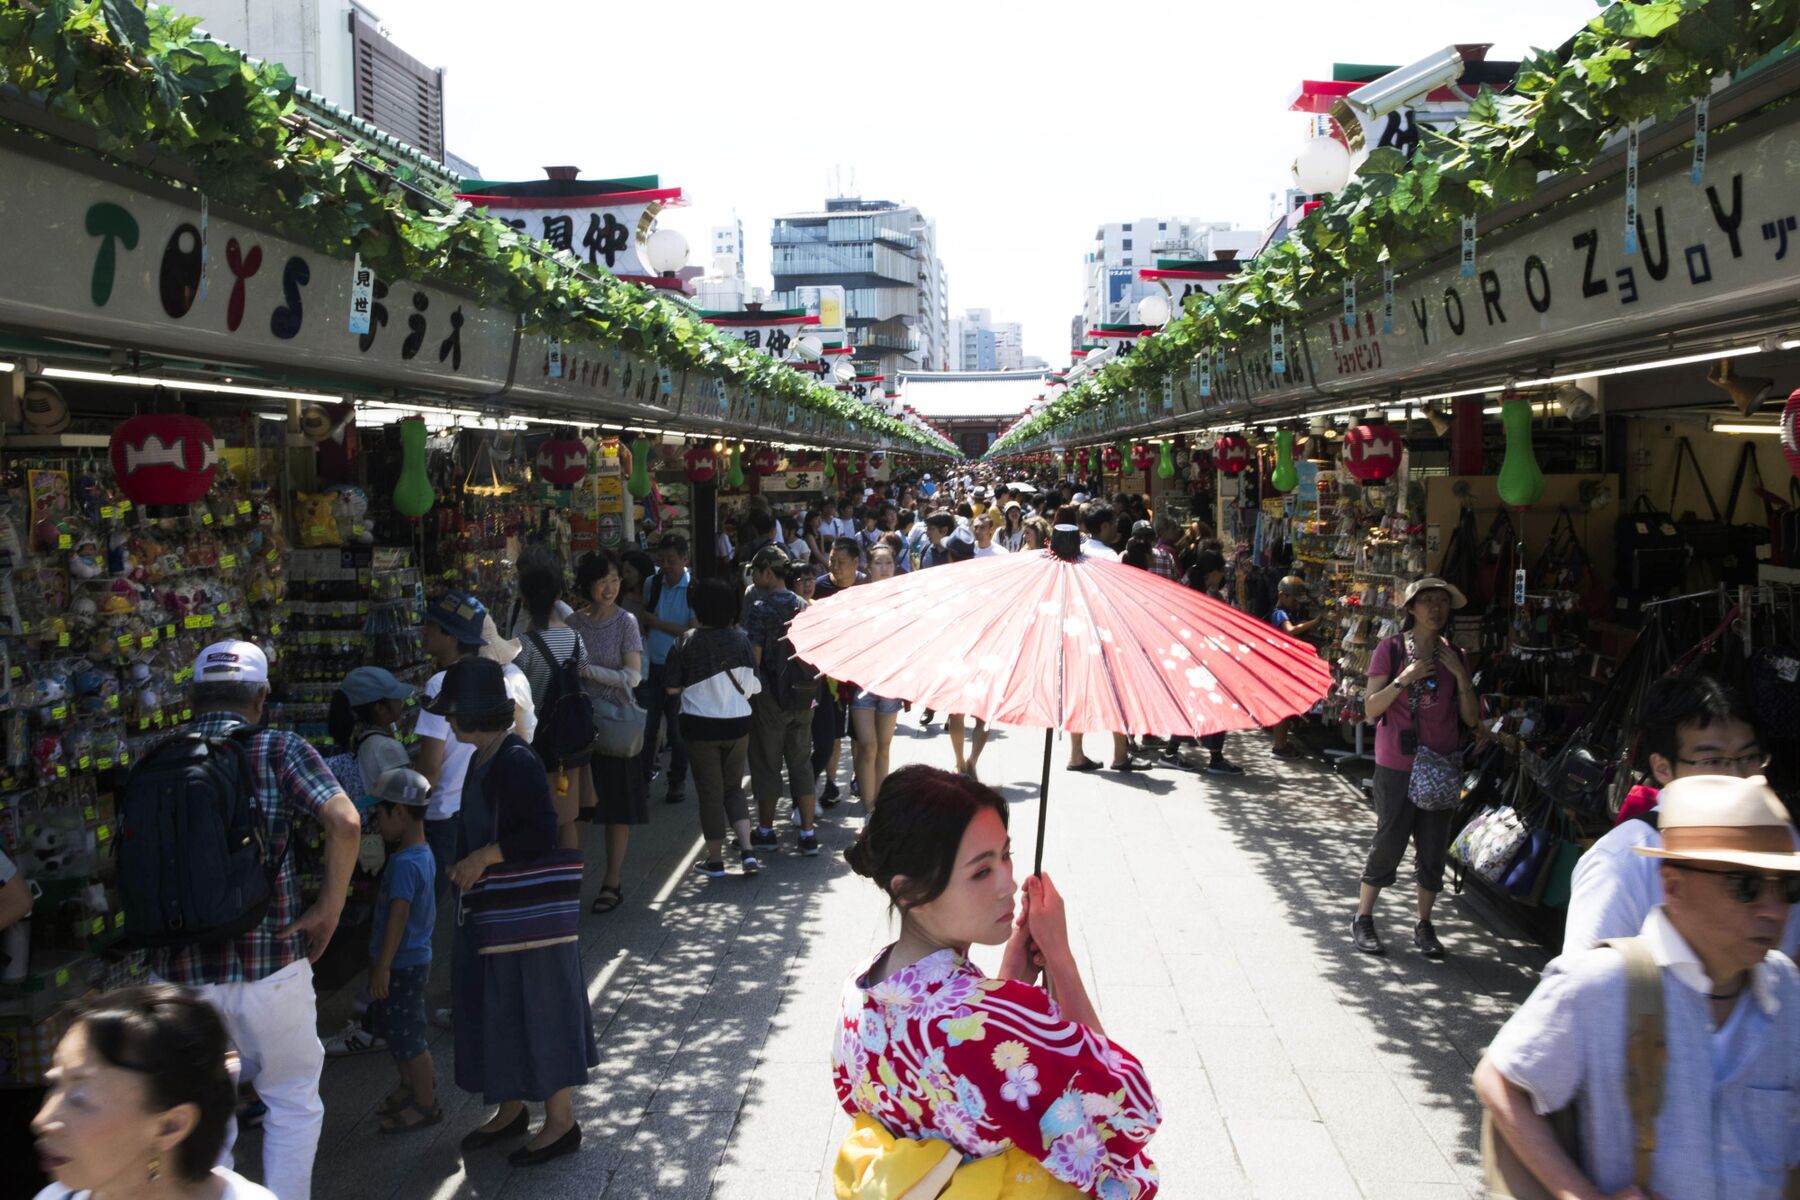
[(274, 1025)]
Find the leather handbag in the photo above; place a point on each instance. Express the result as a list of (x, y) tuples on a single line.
[(1650, 555), (1705, 536)]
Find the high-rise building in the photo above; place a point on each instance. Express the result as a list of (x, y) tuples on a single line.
[(977, 343), (1122, 249), (884, 256), (728, 242), (339, 50)]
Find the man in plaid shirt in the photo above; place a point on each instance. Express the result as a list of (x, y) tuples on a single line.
[(261, 981), (1162, 553)]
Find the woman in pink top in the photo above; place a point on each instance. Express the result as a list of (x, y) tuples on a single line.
[(1419, 694)]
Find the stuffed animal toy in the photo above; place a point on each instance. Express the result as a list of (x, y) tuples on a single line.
[(317, 519)]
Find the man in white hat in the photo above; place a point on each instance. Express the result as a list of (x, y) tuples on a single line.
[(1729, 1121)]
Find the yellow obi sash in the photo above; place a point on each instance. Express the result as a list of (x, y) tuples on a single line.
[(873, 1164)]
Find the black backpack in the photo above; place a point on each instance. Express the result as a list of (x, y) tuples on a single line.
[(193, 861), (793, 683), (565, 720)]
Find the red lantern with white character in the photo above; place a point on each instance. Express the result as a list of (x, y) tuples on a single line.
[(1372, 452), (1109, 458), (1790, 431), (875, 460), (701, 464), (164, 459), (1143, 457), (563, 461), (1231, 453), (765, 461)]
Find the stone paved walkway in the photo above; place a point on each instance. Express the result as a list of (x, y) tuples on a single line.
[(1212, 920)]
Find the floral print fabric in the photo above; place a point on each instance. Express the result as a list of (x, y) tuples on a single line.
[(938, 1050)]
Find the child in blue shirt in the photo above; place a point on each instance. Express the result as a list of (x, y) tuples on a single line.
[(400, 947), (1290, 599)]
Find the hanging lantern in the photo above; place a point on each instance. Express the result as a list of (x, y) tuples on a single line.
[(1521, 482), (1231, 453), (1110, 458), (830, 466), (843, 467), (701, 463), (1286, 476), (734, 476), (765, 461), (1142, 455), (875, 460), (563, 461), (638, 481), (164, 459), (1372, 452), (413, 494), (1790, 431), (1165, 463)]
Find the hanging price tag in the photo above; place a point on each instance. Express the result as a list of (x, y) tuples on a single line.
[(362, 296), (1350, 301), (1519, 587), (665, 380), (1168, 393), (1194, 375), (1698, 171), (1468, 245), (556, 360), (1278, 348), (1631, 188), (1387, 301)]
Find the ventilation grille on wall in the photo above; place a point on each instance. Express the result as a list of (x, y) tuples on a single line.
[(396, 92)]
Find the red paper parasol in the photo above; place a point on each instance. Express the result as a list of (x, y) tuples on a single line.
[(1084, 645)]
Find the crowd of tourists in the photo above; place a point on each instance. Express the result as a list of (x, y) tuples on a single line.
[(632, 677)]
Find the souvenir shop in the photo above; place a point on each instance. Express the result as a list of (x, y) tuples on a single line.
[(1595, 443), (196, 443)]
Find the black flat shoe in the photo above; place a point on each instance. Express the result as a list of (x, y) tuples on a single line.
[(475, 1139), (568, 1143), (1086, 764)]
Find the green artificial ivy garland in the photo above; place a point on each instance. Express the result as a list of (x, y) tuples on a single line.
[(1635, 60), (142, 76)]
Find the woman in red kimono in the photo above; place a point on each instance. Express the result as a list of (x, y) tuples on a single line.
[(988, 1088)]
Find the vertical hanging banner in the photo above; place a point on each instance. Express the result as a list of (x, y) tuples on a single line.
[(1350, 301), (205, 214), (362, 296), (1278, 348), (665, 380), (1697, 172), (1387, 301), (555, 368), (1468, 246), (1204, 374), (1631, 188), (1143, 403), (1168, 389)]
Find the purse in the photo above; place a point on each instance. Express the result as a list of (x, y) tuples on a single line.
[(524, 906), (1435, 781), (618, 728)]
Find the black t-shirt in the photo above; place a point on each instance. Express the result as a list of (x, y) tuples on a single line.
[(823, 586)]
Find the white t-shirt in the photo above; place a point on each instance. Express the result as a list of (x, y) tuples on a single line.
[(1098, 549), (236, 1188), (518, 686), (992, 548), (446, 793)]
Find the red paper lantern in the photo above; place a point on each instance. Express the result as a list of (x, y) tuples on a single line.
[(1110, 459), (765, 461), (164, 458), (1790, 431), (1143, 457), (563, 461), (701, 463), (843, 466), (1231, 453), (1372, 452)]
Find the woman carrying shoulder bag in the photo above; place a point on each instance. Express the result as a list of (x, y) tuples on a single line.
[(1420, 696)]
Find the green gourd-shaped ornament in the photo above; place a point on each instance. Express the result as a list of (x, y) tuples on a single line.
[(1165, 462), (734, 476), (1285, 477), (639, 482), (1521, 479), (413, 494), (830, 466)]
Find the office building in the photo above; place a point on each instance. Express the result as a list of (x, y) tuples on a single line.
[(1110, 280), (979, 343), (884, 256)]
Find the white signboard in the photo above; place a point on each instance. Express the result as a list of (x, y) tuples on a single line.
[(605, 232)]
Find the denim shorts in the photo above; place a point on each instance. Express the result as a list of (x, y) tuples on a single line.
[(867, 701)]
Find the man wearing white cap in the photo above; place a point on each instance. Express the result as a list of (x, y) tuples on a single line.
[(1725, 1045), (261, 981)]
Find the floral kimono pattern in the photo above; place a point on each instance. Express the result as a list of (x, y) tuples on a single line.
[(938, 1050)]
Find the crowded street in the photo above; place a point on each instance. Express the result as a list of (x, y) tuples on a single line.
[(1209, 917)]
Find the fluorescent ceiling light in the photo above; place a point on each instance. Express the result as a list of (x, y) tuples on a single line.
[(184, 385), (6, 366), (1733, 427)]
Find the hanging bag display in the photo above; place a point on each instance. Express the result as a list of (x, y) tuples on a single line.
[(1745, 540), (1650, 556), (1705, 536)]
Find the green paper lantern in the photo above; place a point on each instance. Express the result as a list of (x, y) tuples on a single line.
[(1285, 477), (1165, 463), (734, 475), (413, 494), (830, 467), (1521, 479), (639, 483)]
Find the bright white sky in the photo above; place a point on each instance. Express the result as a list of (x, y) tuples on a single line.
[(1019, 125)]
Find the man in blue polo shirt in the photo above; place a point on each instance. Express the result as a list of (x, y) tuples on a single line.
[(667, 616)]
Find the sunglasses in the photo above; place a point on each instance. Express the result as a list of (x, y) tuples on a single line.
[(1746, 887)]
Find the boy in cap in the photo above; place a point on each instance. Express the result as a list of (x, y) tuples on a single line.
[(1713, 1033), (1290, 599), (400, 947)]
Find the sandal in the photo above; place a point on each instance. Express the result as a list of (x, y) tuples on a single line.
[(1086, 764), (394, 1101), (392, 1123), (608, 899)]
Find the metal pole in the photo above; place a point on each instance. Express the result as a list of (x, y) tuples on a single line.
[(1037, 864)]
